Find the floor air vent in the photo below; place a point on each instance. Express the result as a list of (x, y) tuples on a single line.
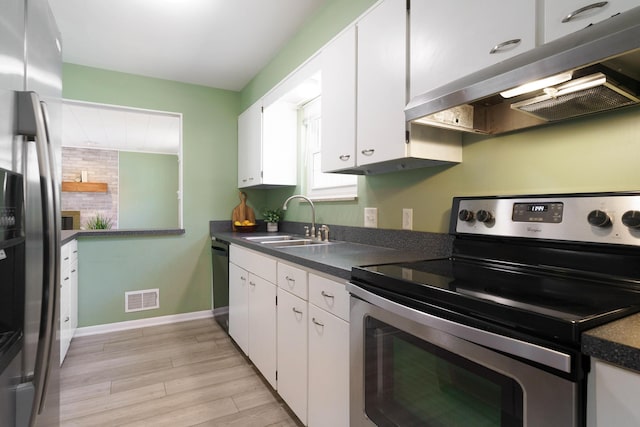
[(147, 299)]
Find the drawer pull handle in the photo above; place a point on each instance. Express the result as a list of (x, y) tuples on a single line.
[(73, 271), (66, 258), (326, 295), (243, 278), (345, 157), (316, 322), (66, 319), (296, 311), (66, 278), (577, 12), (502, 45), (290, 279), (368, 152), (252, 284)]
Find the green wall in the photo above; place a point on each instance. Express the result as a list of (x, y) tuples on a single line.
[(148, 186), (179, 265)]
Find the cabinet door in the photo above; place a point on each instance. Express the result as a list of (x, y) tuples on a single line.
[(262, 326), (279, 147), (73, 295), (65, 300), (583, 13), (239, 306), (328, 369), (615, 401), (250, 146), (451, 39), (292, 352), (338, 131), (382, 83)]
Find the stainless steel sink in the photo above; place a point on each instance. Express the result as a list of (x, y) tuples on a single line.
[(285, 240), (266, 239)]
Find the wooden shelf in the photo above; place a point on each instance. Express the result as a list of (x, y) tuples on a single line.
[(89, 187)]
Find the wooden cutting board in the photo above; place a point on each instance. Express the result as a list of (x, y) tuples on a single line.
[(242, 212)]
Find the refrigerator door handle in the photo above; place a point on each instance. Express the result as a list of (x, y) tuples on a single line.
[(32, 124)]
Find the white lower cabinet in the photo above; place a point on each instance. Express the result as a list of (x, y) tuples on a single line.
[(328, 369), (293, 314), (613, 396), (252, 308), (305, 336), (262, 326), (68, 295)]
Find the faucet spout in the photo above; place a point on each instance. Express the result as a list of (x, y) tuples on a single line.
[(313, 211)]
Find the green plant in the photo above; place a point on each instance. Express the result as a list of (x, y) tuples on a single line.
[(99, 222), (272, 215)]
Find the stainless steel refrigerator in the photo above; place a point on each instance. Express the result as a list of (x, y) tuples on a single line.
[(30, 172)]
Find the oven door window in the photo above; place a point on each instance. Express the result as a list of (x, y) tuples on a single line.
[(410, 382)]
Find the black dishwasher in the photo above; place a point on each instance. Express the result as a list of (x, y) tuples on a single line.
[(220, 289)]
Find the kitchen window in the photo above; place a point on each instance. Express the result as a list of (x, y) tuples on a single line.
[(320, 185)]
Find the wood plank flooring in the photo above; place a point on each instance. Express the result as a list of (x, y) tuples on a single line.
[(181, 374)]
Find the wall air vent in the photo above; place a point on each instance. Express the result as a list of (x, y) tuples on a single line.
[(147, 299)]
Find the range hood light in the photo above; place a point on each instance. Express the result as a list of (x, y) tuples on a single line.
[(536, 85), (581, 84)]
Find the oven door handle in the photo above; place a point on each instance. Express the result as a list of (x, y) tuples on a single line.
[(545, 356)]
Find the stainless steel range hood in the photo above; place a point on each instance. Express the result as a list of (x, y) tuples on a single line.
[(597, 69)]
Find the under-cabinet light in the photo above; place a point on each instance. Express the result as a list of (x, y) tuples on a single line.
[(536, 85)]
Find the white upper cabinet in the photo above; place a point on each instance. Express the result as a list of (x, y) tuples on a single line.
[(338, 132), (381, 83), (453, 38), (250, 145), (567, 16), (267, 145)]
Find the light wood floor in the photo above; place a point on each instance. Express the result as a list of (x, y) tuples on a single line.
[(182, 374)]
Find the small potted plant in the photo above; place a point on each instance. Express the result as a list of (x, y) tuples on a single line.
[(99, 222), (271, 217)]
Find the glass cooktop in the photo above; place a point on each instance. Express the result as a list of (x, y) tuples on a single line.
[(551, 301)]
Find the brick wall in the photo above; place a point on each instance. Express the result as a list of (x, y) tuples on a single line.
[(101, 166)]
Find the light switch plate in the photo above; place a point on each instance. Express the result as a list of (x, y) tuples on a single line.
[(371, 217), (407, 219)]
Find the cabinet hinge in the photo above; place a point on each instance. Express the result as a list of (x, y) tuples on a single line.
[(276, 375), (407, 136), (276, 299), (408, 4)]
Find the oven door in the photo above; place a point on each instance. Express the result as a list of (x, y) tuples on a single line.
[(410, 368)]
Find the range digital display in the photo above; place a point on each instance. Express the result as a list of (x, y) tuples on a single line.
[(538, 212)]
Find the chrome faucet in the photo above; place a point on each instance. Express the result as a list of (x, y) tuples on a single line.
[(313, 212)]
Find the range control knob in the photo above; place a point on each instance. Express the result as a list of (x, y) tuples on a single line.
[(465, 215), (631, 219), (599, 218), (484, 216)]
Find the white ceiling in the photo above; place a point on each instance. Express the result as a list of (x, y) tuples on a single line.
[(107, 127), (216, 43)]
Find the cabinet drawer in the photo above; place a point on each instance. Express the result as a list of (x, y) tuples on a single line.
[(254, 262), (293, 280), (329, 295)]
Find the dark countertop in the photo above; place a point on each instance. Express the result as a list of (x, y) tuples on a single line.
[(335, 259), (68, 235), (617, 342)]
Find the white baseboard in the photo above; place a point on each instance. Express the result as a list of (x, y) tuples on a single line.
[(142, 323)]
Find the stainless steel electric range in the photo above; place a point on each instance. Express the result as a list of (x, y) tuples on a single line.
[(491, 335)]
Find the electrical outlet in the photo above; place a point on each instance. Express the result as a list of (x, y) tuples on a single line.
[(371, 217), (407, 219)]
